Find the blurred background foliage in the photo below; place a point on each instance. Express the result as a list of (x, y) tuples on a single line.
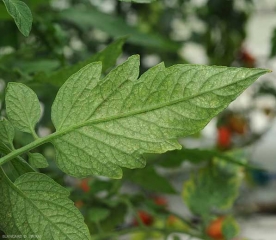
[(68, 34)]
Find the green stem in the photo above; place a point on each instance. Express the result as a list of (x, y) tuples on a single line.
[(28, 147)]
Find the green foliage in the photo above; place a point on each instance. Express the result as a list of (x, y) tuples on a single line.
[(22, 15), (149, 179), (116, 27), (23, 108), (230, 228), (37, 160), (173, 159), (108, 57), (6, 132), (48, 213), (107, 114), (98, 214), (102, 120), (212, 188)]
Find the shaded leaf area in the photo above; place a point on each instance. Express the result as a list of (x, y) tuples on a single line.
[(107, 56), (213, 188), (22, 15), (37, 160), (105, 124), (6, 132), (273, 44), (149, 179), (35, 205), (115, 26), (17, 166), (108, 217), (174, 159)]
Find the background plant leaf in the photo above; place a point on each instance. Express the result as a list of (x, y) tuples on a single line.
[(87, 18), (230, 228), (212, 188), (107, 56), (149, 179), (173, 159), (47, 211), (22, 15), (107, 124)]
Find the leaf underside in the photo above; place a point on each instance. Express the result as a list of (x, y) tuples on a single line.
[(36, 206), (105, 124), (22, 106)]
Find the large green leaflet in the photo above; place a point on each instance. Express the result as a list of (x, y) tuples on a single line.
[(110, 123), (37, 207), (22, 15), (105, 124)]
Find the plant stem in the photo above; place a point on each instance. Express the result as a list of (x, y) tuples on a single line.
[(27, 148)]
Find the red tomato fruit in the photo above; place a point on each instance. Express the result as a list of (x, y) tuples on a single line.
[(145, 217), (84, 185), (214, 230), (224, 137)]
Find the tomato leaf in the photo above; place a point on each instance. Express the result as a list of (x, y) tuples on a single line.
[(23, 108), (37, 160), (103, 125), (45, 209), (6, 132)]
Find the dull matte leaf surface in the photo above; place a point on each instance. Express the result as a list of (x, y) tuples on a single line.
[(22, 15), (22, 106), (6, 132), (149, 179), (37, 160), (36, 205), (105, 124)]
